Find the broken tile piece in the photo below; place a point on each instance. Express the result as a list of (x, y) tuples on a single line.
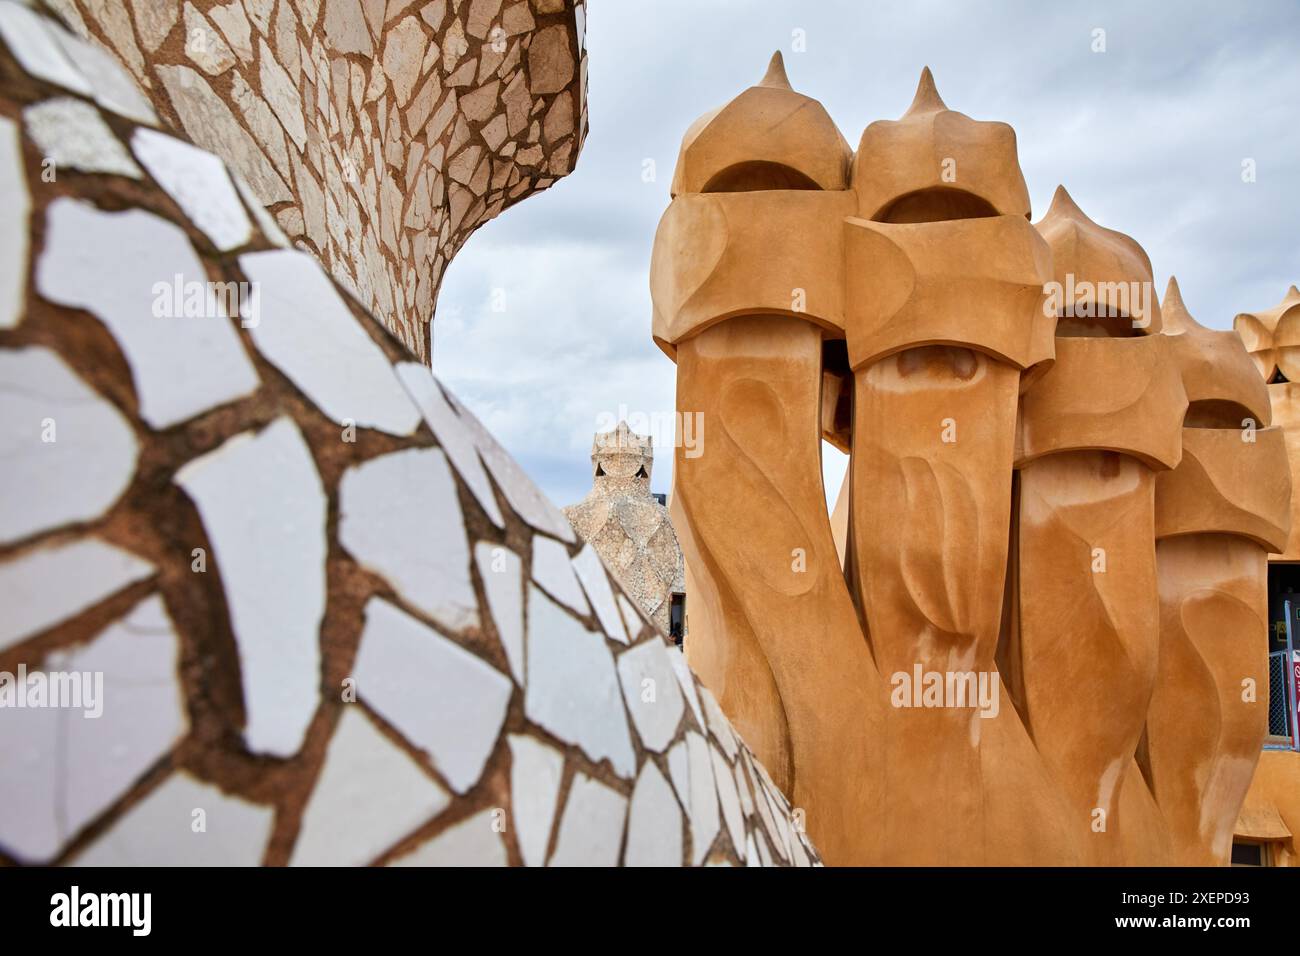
[(263, 508), (554, 572), (451, 434), (13, 226), (73, 135), (32, 41), (654, 827), (116, 24), (443, 699), (535, 774), (153, 21), (112, 87), (703, 809), (653, 696), (204, 45), (138, 274), (686, 680), (520, 492), (403, 51), (56, 582), (210, 123), (67, 454), (592, 828), (234, 24), (282, 96), (472, 842), (399, 517), (160, 829), (573, 690), (719, 726), (50, 790), (312, 337), (730, 800), (550, 60), (631, 617), (346, 28), (501, 571), (368, 796), (679, 772), (591, 572), (259, 11), (199, 183)]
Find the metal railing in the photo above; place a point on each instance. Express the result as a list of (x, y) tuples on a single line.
[(1283, 722)]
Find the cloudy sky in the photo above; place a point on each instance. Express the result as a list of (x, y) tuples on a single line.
[(1149, 137)]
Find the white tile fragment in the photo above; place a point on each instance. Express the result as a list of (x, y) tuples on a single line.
[(32, 43), (451, 433), (263, 507), (13, 226), (368, 796), (631, 618), (686, 680), (742, 789), (265, 221), (654, 829), (66, 454), (800, 854), (731, 812), (199, 183), (73, 135), (704, 797), (573, 691), (209, 122), (502, 573), (784, 838), (524, 496), (440, 697), (307, 332), (472, 842), (650, 688), (138, 274), (55, 582), (591, 831), (111, 85), (554, 572), (60, 768), (591, 572), (144, 710), (535, 774), (719, 726), (204, 45), (163, 829), (30, 771), (679, 772), (766, 814), (399, 517)]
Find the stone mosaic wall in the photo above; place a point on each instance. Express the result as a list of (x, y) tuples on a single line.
[(333, 620), (380, 133)]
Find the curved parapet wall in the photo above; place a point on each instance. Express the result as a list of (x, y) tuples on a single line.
[(379, 136), (222, 480)]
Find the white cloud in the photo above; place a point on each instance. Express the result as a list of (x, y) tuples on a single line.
[(1148, 137)]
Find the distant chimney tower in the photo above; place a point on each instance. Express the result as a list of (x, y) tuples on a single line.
[(630, 529)]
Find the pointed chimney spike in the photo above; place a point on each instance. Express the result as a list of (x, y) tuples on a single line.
[(1063, 205), (775, 77), (927, 99)]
